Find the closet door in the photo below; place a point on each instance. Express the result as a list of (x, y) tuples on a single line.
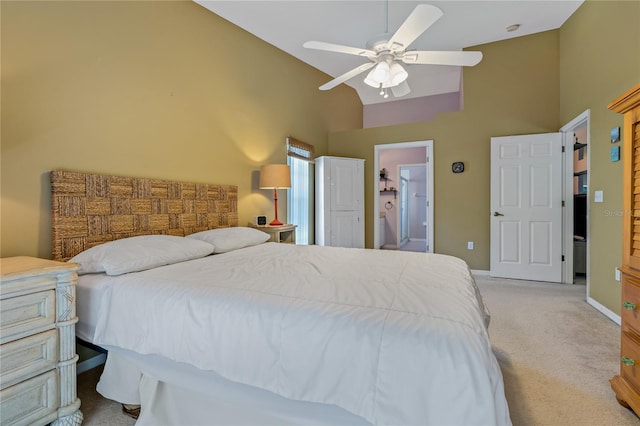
[(345, 229), (346, 184), (340, 202)]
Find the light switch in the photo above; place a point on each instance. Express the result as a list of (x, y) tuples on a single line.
[(598, 197)]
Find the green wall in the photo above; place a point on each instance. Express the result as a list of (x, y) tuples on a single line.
[(514, 90), (600, 59), (160, 89)]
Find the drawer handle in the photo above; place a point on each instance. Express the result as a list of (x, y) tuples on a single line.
[(627, 361), (629, 305)]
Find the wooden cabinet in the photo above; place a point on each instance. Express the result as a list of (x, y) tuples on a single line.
[(626, 385), (37, 343), (279, 234), (339, 202)]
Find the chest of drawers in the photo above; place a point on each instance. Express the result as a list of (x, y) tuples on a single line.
[(626, 384), (37, 343)]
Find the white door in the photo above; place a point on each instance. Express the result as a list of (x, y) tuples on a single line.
[(345, 229), (526, 207), (346, 184), (347, 193)]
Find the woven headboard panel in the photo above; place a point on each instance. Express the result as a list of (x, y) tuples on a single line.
[(91, 209)]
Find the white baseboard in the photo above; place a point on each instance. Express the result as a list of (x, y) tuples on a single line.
[(90, 363), (604, 310), (480, 272)]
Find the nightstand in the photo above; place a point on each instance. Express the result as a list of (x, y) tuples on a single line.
[(279, 234), (37, 342)]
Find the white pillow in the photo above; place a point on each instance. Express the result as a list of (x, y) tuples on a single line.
[(229, 239), (139, 253)]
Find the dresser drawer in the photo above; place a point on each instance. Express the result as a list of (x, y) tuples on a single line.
[(630, 359), (630, 313), (25, 315), (32, 402), (28, 357)]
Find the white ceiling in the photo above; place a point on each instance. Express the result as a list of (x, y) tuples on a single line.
[(288, 24)]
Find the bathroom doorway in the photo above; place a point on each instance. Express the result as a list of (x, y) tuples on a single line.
[(398, 168)]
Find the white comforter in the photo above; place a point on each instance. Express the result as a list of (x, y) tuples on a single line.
[(394, 337)]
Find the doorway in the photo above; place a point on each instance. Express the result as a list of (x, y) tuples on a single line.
[(576, 195), (575, 206), (394, 197)]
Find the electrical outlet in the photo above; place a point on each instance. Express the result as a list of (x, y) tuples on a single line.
[(617, 274), (469, 245)]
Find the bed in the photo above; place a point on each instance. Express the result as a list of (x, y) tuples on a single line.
[(259, 333)]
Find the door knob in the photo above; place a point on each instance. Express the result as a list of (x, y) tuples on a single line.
[(497, 214)]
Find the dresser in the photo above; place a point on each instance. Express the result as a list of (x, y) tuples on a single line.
[(626, 384), (37, 337)]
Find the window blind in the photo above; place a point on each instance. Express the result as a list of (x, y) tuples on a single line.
[(299, 149)]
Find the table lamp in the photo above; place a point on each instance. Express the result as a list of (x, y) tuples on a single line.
[(275, 176)]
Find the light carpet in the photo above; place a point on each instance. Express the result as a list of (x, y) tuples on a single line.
[(556, 352)]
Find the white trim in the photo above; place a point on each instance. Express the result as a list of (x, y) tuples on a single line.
[(480, 272), (90, 363), (429, 164), (604, 310), (567, 213), (567, 250)]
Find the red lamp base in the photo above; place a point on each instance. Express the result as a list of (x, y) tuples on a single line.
[(275, 221)]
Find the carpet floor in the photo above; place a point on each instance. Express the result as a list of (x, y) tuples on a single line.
[(556, 352)]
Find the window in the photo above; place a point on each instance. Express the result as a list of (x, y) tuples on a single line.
[(300, 196)]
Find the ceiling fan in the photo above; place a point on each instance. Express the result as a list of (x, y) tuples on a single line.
[(385, 54)]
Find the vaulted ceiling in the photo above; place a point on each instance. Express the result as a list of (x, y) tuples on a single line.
[(288, 24)]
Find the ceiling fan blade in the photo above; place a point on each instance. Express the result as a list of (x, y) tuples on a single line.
[(401, 89), (330, 47), (347, 76), (456, 58), (422, 17)]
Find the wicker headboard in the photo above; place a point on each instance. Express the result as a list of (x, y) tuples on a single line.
[(91, 209)]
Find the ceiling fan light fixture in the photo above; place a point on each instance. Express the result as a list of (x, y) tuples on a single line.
[(385, 53), (370, 80), (398, 74), (381, 72)]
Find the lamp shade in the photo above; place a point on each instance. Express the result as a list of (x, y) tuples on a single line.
[(275, 176)]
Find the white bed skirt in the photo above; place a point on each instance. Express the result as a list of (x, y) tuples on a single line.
[(178, 394)]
